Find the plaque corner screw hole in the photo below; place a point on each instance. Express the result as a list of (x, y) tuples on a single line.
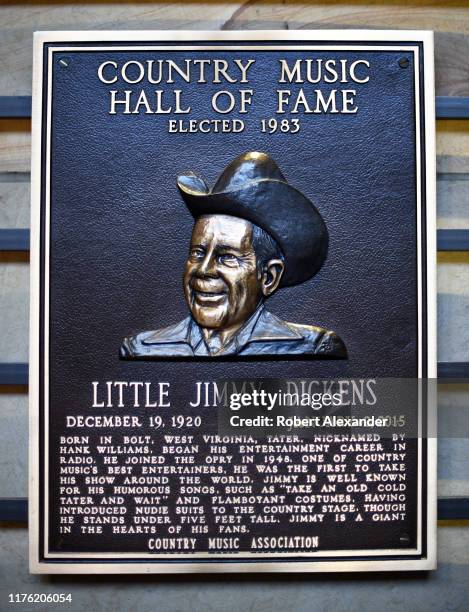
[(404, 62)]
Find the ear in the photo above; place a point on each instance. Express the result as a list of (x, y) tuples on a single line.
[(271, 276)]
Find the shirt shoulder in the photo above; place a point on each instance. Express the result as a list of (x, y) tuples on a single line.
[(320, 341), (168, 341)]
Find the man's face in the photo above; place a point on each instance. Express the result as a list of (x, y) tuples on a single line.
[(221, 282)]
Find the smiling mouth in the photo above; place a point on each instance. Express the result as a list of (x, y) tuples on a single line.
[(208, 298)]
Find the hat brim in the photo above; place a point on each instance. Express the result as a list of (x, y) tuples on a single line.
[(279, 209)]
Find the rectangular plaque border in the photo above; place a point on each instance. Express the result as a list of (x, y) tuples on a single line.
[(424, 557)]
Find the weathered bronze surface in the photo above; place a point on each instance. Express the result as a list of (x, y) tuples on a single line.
[(253, 233)]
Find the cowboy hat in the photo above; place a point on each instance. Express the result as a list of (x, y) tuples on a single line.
[(252, 187)]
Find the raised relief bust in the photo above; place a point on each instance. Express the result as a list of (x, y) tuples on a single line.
[(253, 234)]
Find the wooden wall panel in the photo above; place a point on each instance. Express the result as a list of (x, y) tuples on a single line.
[(450, 21), (14, 201), (453, 453), (13, 444), (453, 201), (15, 145), (14, 308), (445, 589), (452, 145), (453, 307), (452, 138)]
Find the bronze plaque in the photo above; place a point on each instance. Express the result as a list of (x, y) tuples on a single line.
[(233, 307)]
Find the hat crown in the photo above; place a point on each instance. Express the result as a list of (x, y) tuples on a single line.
[(247, 167)]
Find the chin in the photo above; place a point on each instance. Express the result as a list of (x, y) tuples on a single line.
[(210, 320)]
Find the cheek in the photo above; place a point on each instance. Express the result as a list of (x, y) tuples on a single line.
[(241, 282), (188, 270), (186, 278)]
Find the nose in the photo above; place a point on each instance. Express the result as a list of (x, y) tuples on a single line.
[(207, 266)]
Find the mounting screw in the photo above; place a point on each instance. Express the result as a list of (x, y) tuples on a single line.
[(64, 62), (404, 62)]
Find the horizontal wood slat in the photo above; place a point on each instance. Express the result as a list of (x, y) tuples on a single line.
[(15, 107), (453, 509), (14, 509), (14, 373), (452, 107), (448, 240), (453, 240), (447, 107), (449, 509), (17, 373), (458, 370), (14, 240)]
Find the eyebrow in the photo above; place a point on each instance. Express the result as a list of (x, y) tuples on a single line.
[(227, 247), (220, 247)]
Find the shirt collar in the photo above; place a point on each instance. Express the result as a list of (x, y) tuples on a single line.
[(200, 346), (262, 326)]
